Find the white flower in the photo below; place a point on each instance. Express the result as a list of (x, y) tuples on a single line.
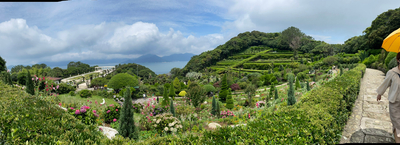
[(166, 128), (174, 129), (154, 120), (155, 125), (158, 121), (195, 115)]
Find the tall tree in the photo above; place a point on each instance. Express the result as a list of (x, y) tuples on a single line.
[(177, 85), (127, 127), (291, 97), (172, 109), (224, 89), (165, 100), (292, 37), (2, 64), (172, 92)]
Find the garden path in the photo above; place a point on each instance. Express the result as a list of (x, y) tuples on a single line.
[(370, 120)]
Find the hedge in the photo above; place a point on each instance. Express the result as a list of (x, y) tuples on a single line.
[(266, 66), (29, 119), (250, 58), (241, 56), (318, 118)]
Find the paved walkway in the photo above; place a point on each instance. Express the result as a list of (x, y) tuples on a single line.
[(370, 120)]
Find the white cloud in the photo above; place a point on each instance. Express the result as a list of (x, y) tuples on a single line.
[(24, 44)]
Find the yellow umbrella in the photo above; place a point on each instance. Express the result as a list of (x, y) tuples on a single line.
[(392, 42)]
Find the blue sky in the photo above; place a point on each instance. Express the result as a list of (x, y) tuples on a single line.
[(98, 29)]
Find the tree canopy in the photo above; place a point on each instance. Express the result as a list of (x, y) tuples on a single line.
[(122, 80)]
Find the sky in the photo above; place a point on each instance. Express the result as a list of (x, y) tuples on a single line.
[(79, 30)]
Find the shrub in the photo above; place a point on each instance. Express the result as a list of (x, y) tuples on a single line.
[(224, 89), (127, 127), (182, 93), (276, 93), (167, 123), (122, 80), (172, 92), (235, 87), (229, 102), (291, 99), (165, 100), (330, 60), (99, 82), (392, 63), (242, 84), (137, 107), (85, 114), (209, 88), (389, 58), (65, 88), (172, 109), (72, 93), (40, 121), (214, 106), (297, 83), (196, 94), (122, 92), (110, 113), (85, 93)]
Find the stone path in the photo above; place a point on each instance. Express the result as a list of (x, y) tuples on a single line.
[(370, 120)]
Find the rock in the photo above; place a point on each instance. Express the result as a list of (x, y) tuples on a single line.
[(213, 125), (109, 132), (237, 125)]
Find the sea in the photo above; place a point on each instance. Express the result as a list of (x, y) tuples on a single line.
[(158, 67)]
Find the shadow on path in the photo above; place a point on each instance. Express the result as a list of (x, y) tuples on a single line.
[(371, 135)]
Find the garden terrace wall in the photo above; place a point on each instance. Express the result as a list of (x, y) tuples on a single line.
[(319, 118), (266, 66), (250, 58), (25, 118)]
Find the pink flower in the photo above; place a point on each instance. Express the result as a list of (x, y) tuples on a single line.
[(90, 102), (87, 100), (72, 108), (87, 107), (94, 111), (58, 86), (77, 112), (114, 120), (142, 113), (47, 89), (101, 129), (33, 79), (116, 110), (151, 114), (108, 111), (59, 104), (54, 88), (37, 78), (96, 115), (282, 99), (154, 99)]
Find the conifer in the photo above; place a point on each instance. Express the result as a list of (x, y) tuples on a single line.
[(291, 97), (127, 127), (29, 84)]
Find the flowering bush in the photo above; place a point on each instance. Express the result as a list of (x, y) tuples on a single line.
[(166, 123), (85, 114), (227, 113), (260, 104), (138, 107), (111, 112)]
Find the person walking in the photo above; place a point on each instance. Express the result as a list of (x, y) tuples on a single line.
[(392, 80)]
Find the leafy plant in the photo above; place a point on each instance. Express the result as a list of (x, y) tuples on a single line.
[(182, 93), (111, 112), (122, 80), (166, 123), (85, 93), (291, 99)]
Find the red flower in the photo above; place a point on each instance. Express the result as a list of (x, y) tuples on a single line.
[(47, 89)]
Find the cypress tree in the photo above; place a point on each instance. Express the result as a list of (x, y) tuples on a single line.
[(297, 83), (29, 84), (171, 91), (224, 88), (165, 100), (172, 109), (9, 80), (341, 70), (315, 75), (291, 98), (229, 101), (308, 86), (218, 112), (271, 89), (214, 106), (276, 93), (127, 126)]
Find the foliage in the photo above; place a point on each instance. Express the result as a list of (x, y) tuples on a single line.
[(330, 60), (131, 89), (72, 93), (392, 63), (29, 84), (166, 123), (122, 80), (214, 106), (87, 115), (276, 93), (242, 84), (32, 120), (177, 85), (196, 93), (229, 102), (308, 86), (85, 93), (127, 127), (235, 87), (182, 93), (172, 92), (137, 107), (224, 89), (165, 100), (65, 88), (208, 88), (172, 109), (133, 69), (297, 85), (389, 57), (250, 91), (99, 82), (111, 112), (291, 98)]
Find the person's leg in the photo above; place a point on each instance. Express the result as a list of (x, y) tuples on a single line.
[(397, 139)]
